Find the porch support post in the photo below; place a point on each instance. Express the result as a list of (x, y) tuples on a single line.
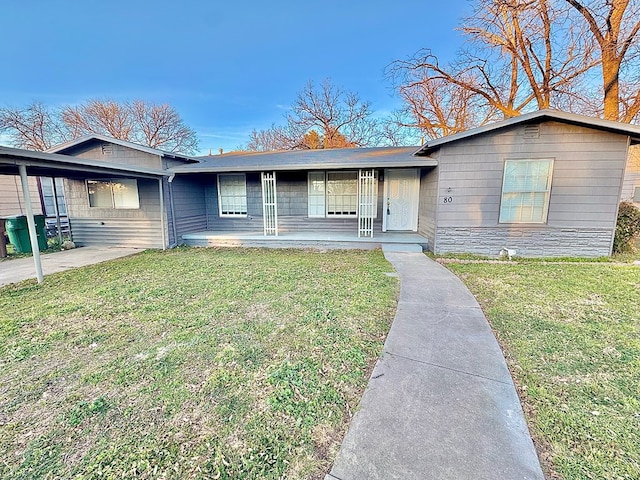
[(269, 204), (366, 202), (31, 223)]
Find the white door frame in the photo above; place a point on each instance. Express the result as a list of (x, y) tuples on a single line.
[(416, 197)]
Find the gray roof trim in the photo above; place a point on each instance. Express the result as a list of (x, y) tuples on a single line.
[(104, 138), (295, 160), (54, 164), (541, 115)]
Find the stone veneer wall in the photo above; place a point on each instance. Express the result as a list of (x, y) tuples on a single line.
[(528, 242)]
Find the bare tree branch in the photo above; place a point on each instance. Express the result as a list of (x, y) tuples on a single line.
[(158, 126), (323, 116)]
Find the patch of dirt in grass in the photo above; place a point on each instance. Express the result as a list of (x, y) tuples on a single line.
[(326, 443)]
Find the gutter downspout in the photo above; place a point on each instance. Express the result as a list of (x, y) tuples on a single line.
[(173, 211), (31, 223)]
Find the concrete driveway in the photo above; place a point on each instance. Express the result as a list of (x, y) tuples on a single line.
[(13, 271)]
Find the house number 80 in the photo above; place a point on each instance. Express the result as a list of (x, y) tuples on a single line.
[(448, 199)]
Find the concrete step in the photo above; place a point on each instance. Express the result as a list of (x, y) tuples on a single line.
[(401, 247)]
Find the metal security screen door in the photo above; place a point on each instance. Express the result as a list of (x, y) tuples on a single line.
[(269, 204), (401, 200), (366, 202)]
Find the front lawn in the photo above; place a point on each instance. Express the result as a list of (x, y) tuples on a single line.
[(571, 333), (190, 363)]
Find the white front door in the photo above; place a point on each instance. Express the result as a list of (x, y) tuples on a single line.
[(401, 189)]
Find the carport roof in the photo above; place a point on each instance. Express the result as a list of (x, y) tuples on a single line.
[(292, 160), (55, 165)]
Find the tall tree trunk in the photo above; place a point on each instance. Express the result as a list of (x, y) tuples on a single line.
[(611, 84)]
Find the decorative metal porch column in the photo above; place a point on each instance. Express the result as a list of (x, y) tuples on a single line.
[(269, 204), (366, 202)]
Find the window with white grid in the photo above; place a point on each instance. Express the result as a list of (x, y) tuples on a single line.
[(342, 194), (232, 195), (316, 193), (526, 187)]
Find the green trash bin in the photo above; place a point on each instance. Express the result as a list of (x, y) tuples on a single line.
[(18, 232)]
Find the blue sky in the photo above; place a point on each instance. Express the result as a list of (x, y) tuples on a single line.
[(227, 67)]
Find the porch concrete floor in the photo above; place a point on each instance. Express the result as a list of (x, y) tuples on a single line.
[(301, 239)]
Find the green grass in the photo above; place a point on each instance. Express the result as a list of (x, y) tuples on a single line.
[(571, 334), (190, 363)]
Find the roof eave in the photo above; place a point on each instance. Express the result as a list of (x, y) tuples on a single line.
[(412, 162), (103, 138), (633, 131)]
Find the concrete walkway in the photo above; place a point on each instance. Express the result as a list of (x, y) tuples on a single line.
[(440, 403), (13, 271)]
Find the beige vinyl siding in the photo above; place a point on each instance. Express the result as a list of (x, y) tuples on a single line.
[(12, 199), (110, 226), (585, 189)]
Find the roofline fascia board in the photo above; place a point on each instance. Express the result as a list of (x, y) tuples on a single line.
[(280, 168), (88, 170)]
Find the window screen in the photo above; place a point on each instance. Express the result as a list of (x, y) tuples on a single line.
[(232, 194), (525, 191)]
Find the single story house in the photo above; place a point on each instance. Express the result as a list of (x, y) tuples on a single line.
[(546, 183)]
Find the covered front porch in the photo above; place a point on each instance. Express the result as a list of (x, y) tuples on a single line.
[(345, 198)]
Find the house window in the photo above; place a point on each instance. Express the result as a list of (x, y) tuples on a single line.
[(342, 194), (636, 195), (232, 195), (525, 191), (316, 191), (334, 194), (116, 193)]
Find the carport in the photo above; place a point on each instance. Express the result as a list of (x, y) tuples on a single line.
[(26, 163)]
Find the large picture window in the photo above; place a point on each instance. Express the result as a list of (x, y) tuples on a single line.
[(334, 194), (116, 193), (232, 195), (525, 191)]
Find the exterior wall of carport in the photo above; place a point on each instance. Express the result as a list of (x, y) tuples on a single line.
[(292, 199), (586, 186)]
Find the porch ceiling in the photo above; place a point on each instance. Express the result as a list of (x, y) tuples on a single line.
[(330, 159)]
